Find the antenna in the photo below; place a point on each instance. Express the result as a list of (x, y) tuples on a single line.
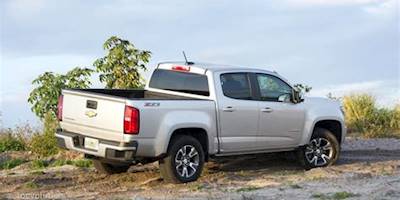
[(187, 62)]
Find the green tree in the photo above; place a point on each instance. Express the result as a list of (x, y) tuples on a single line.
[(45, 95), (119, 68), (302, 87)]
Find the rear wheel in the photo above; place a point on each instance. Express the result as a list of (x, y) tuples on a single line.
[(322, 150), (108, 168), (184, 161)]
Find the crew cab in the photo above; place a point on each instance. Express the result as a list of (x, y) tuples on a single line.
[(190, 112)]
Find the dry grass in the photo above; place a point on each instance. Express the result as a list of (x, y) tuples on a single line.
[(364, 117)]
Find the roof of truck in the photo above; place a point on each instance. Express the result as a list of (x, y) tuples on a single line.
[(213, 67)]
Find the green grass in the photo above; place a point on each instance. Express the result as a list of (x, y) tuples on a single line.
[(59, 163), (334, 196), (196, 187), (295, 186), (9, 164), (82, 163), (343, 195), (79, 163), (31, 185), (38, 164), (320, 196), (247, 189), (37, 172)]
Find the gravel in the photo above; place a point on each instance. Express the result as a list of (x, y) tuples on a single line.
[(352, 144)]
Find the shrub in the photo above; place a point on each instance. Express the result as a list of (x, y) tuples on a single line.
[(45, 144), (359, 110), (9, 142), (362, 116), (15, 139)]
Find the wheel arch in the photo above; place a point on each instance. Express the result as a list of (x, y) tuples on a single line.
[(332, 125), (199, 134)]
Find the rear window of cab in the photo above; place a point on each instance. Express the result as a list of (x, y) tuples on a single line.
[(180, 82)]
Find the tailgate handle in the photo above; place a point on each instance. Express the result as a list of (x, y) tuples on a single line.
[(91, 104)]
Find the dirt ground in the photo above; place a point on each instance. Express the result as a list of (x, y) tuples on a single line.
[(367, 169)]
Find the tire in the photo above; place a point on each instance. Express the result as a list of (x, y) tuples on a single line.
[(322, 150), (107, 168), (185, 152)]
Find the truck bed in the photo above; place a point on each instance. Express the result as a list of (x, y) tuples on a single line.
[(99, 113), (135, 94)]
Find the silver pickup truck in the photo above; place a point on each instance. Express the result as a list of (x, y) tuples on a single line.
[(190, 112)]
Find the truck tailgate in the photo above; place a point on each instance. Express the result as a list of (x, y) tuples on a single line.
[(93, 115)]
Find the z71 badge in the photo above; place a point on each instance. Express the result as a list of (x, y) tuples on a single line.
[(151, 104)]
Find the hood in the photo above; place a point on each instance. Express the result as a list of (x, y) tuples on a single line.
[(321, 101)]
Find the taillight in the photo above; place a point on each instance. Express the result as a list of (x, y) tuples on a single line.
[(181, 68), (131, 120), (60, 107)]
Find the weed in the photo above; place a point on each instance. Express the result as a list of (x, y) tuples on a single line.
[(334, 196), (37, 172), (9, 164), (82, 163), (247, 189), (78, 163), (59, 163), (197, 187), (31, 185), (320, 196), (295, 186), (38, 164), (343, 195)]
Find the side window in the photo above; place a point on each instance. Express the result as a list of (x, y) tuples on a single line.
[(271, 87), (236, 85)]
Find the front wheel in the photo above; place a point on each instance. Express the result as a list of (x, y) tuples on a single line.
[(322, 150), (184, 161)]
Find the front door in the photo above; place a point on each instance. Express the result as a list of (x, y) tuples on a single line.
[(281, 121), (238, 113)]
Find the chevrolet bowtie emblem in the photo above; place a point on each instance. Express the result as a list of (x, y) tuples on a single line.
[(90, 113)]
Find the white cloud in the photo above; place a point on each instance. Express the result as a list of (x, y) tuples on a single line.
[(331, 2), (376, 7), (387, 93), (384, 8), (24, 9)]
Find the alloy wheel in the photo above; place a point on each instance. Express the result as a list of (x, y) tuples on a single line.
[(319, 152), (187, 161)]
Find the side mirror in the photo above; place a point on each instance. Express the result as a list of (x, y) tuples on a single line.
[(301, 96), (284, 98)]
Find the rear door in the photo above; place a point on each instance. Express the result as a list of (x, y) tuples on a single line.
[(238, 113), (94, 115)]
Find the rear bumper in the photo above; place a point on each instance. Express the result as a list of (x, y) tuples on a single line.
[(119, 151)]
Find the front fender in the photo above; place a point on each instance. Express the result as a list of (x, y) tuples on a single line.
[(319, 109)]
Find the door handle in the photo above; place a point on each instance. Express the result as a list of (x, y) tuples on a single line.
[(267, 110), (228, 109)]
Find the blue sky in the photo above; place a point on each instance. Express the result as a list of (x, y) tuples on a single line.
[(338, 46)]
